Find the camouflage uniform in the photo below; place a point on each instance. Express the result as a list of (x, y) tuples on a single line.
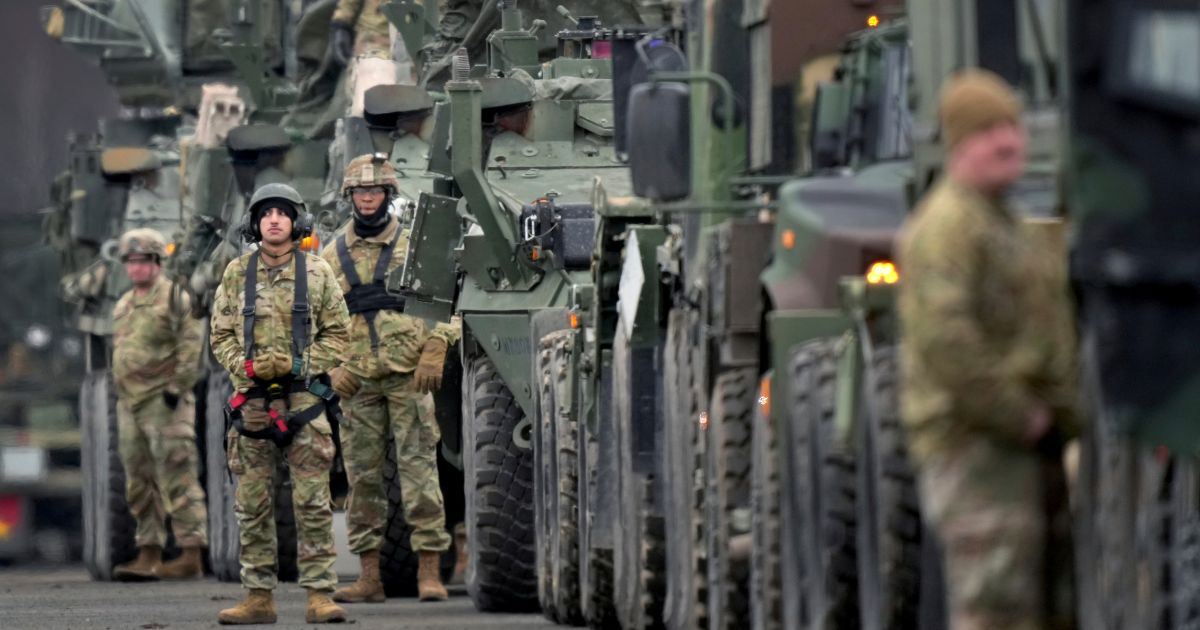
[(389, 401), (987, 335), (156, 348), (371, 36), (309, 456)]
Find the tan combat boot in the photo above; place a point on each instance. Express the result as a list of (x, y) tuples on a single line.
[(368, 587), (321, 609), (429, 579), (145, 567), (258, 607), (188, 566)]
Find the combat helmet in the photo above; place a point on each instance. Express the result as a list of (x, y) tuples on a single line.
[(142, 241), (302, 224), (370, 169)]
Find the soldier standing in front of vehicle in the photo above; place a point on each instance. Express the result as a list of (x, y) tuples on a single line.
[(393, 363), (156, 362), (279, 324), (988, 366)]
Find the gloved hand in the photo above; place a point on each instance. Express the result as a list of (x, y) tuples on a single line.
[(344, 382), (428, 376), (171, 399), (269, 366), (341, 42)]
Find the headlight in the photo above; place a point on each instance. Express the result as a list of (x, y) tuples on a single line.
[(37, 337)]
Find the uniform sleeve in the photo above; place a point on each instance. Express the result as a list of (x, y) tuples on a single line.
[(942, 271), (188, 342), (333, 324), (450, 332), (226, 346), (347, 12)]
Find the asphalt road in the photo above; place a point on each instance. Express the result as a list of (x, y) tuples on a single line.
[(65, 598)]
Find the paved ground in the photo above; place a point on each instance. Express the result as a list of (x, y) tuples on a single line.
[(64, 598)]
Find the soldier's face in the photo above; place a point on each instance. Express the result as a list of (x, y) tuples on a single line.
[(142, 270), (996, 157), (368, 199), (275, 226)]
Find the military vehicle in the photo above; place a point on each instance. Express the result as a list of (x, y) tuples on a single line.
[(40, 507), (1129, 171)]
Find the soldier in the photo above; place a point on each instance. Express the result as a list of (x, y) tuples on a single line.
[(393, 362), (279, 323), (988, 364), (156, 361), (358, 28)]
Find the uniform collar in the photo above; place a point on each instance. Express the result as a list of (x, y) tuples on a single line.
[(383, 237), (996, 205), (151, 295)]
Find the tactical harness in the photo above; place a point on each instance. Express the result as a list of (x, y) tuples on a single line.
[(282, 428), (369, 299)]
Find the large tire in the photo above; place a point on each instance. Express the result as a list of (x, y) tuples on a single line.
[(727, 490), (639, 554), (108, 527), (224, 542), (686, 584), (556, 488), (889, 512), (501, 561), (819, 560), (766, 587)]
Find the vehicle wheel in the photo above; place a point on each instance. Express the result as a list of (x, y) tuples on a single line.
[(889, 512), (687, 592), (766, 588), (639, 555), (108, 527), (501, 561), (224, 542), (557, 509), (819, 560), (727, 490)]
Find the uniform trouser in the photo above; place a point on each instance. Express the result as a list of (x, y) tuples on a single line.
[(158, 450), (985, 501), (392, 404), (254, 462)]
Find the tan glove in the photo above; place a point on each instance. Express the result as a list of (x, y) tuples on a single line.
[(345, 383), (283, 364), (264, 367), (428, 376)]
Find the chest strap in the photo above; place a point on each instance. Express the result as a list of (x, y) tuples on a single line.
[(301, 313), (368, 299)]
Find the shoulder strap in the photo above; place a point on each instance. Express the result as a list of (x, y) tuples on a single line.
[(301, 316), (347, 263), (385, 259), (251, 293)]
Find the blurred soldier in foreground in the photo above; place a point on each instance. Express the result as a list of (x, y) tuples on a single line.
[(156, 361), (279, 325), (393, 362), (988, 368)]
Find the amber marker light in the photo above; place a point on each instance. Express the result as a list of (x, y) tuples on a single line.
[(883, 272), (873, 21), (788, 238), (171, 247), (310, 243), (764, 396), (573, 318)]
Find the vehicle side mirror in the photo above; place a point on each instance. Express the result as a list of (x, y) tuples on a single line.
[(659, 141), (830, 118)]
